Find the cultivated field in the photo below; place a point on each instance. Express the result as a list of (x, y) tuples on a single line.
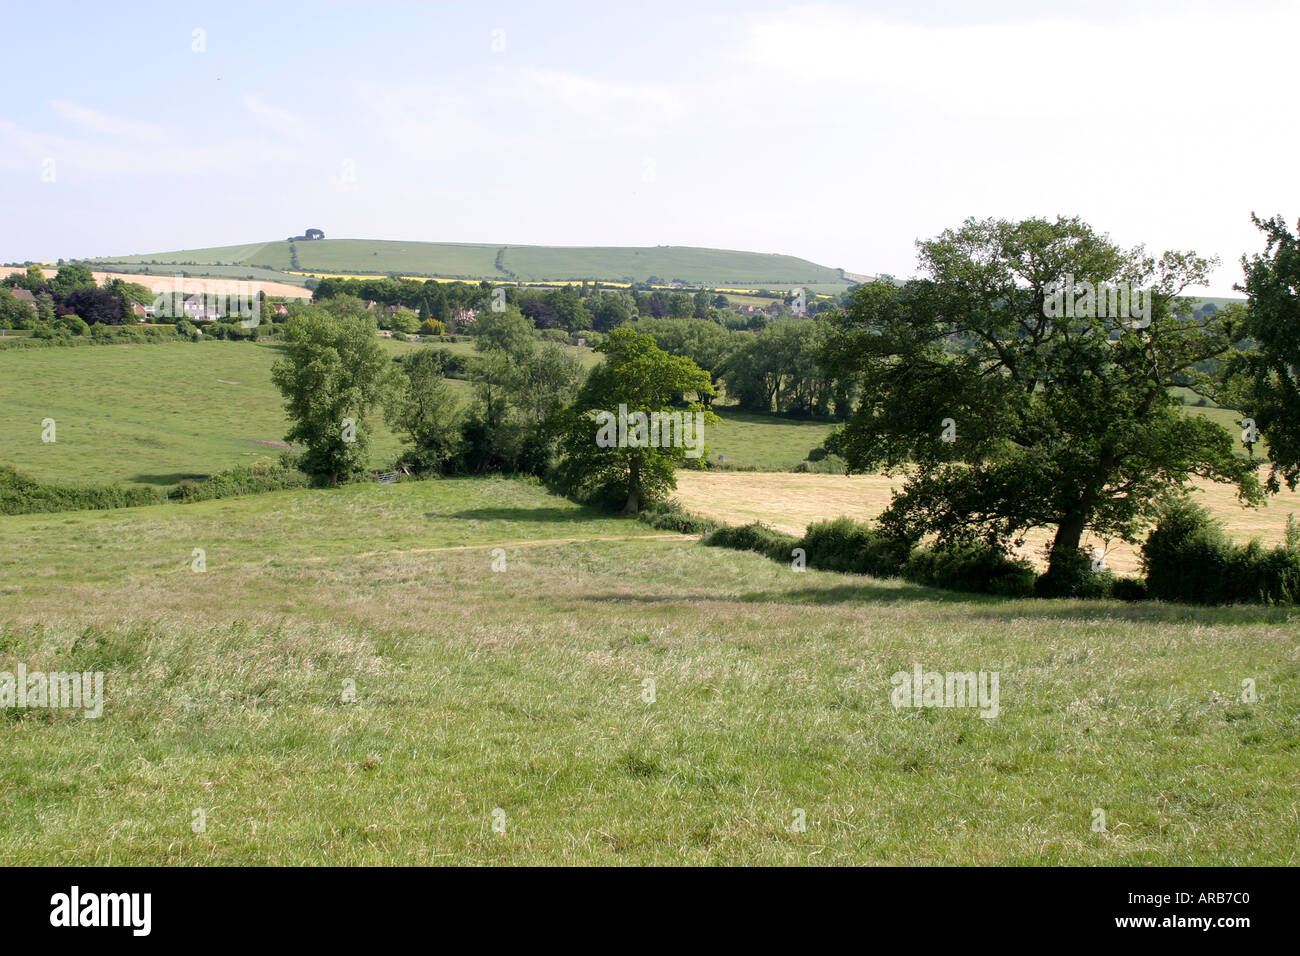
[(154, 414), (519, 701), (167, 282)]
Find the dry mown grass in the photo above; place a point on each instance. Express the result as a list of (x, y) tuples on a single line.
[(189, 284), (790, 502)]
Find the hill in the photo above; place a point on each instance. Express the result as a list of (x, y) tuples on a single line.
[(715, 268)]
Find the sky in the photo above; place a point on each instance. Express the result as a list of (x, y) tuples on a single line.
[(841, 133)]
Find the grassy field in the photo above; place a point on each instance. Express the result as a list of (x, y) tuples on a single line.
[(711, 267), (766, 442), (506, 717), (147, 414)]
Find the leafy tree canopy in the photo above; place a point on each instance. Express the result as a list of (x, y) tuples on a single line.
[(1007, 415), (636, 378)]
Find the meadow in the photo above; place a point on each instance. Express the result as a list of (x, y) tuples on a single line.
[(350, 681), (147, 414), (154, 414)]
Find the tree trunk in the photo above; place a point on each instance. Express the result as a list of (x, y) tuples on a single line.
[(633, 488), (1066, 543)]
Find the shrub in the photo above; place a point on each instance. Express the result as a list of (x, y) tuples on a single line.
[(1188, 558), (1073, 576), (1128, 589), (671, 516), (850, 546), (22, 494), (776, 545), (828, 465), (73, 323), (976, 568), (252, 479)]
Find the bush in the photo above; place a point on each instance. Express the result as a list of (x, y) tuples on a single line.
[(850, 546), (1188, 558), (827, 465), (776, 545), (252, 479), (72, 323), (1073, 576), (21, 494), (1128, 589), (975, 568), (671, 516)]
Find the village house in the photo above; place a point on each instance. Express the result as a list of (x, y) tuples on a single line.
[(197, 309), (22, 295)]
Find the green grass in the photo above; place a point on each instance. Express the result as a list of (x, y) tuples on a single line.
[(763, 442), (146, 414), (523, 691), (710, 267), (154, 414)]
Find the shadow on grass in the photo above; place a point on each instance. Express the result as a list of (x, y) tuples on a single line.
[(172, 479), (980, 606), (533, 515)]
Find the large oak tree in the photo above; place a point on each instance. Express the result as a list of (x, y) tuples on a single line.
[(1006, 415)]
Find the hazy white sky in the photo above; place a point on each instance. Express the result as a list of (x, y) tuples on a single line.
[(837, 132)]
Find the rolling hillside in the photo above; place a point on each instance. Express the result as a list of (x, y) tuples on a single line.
[(717, 268)]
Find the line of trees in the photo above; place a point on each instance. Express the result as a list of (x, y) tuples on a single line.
[(528, 410)]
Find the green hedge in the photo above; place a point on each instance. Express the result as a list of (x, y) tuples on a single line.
[(671, 516), (851, 547), (21, 494), (855, 548), (253, 479), (1189, 558), (975, 568), (776, 545)]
